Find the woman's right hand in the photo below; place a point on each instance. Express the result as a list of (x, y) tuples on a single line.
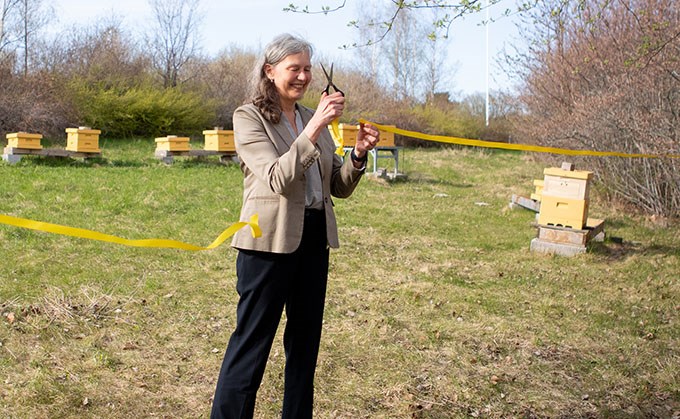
[(330, 107)]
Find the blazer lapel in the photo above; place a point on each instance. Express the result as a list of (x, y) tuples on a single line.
[(284, 134)]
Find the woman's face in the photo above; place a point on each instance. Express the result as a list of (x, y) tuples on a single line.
[(291, 77)]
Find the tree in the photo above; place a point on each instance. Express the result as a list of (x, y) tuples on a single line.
[(20, 21), (33, 16), (8, 12), (404, 54), (446, 12), (174, 38), (410, 62)]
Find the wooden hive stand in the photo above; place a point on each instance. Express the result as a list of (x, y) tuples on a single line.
[(385, 149), (21, 144), (218, 142)]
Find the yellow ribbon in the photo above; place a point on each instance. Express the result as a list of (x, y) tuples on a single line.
[(337, 138), (157, 243), (506, 146)]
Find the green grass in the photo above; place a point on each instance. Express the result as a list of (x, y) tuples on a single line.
[(435, 308)]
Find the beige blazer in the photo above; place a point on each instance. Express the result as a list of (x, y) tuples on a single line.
[(273, 165)]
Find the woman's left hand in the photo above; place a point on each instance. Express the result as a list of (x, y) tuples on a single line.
[(367, 138)]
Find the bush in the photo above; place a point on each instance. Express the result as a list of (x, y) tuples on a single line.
[(32, 104), (141, 111)]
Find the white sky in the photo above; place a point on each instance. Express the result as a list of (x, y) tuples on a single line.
[(253, 23)]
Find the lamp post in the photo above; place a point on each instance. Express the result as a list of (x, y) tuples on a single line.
[(486, 24)]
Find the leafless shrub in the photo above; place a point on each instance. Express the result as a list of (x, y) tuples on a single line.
[(222, 79), (31, 104), (102, 53), (602, 75)]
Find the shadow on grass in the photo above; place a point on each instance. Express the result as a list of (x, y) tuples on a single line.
[(420, 178), (615, 249), (204, 161), (51, 161)]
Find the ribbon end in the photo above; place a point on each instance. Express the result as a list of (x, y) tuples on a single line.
[(255, 226)]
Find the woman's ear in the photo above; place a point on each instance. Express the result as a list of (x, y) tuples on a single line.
[(269, 71)]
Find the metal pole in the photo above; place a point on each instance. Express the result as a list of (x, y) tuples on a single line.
[(487, 63)]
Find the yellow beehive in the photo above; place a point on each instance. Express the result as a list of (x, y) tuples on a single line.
[(24, 140), (386, 138), (219, 140), (172, 143), (536, 196), (564, 198), (572, 184), (348, 133), (83, 139), (349, 136), (563, 212)]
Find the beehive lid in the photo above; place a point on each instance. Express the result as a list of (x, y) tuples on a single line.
[(216, 131), (573, 174), (172, 138), (22, 134), (83, 130)]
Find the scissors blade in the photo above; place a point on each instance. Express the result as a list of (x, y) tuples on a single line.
[(328, 78)]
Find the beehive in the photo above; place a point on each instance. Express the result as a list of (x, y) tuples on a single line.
[(83, 139), (219, 140), (24, 140), (349, 136), (536, 196), (348, 133), (386, 138), (172, 143), (564, 199)]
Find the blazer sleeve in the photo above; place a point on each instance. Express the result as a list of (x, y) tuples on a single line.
[(266, 153)]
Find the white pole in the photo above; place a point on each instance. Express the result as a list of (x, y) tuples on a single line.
[(487, 63)]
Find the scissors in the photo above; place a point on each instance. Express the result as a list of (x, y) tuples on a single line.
[(329, 78), (334, 126)]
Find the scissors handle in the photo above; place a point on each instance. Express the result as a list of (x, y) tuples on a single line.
[(329, 78), (327, 90)]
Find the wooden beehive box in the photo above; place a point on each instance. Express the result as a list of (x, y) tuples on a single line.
[(219, 140), (83, 139), (24, 140), (564, 199), (172, 143), (536, 196), (348, 133), (349, 136), (386, 138)]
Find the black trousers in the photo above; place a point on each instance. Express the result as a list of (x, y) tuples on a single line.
[(268, 282)]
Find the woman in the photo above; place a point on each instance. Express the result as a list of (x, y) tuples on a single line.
[(290, 173)]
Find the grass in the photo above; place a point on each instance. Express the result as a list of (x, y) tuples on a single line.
[(435, 308)]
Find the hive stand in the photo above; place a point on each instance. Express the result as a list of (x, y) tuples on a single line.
[(385, 149), (21, 144), (218, 142)]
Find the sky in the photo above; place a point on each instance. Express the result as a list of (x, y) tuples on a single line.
[(253, 23)]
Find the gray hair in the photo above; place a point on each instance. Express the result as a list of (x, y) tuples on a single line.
[(262, 92)]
